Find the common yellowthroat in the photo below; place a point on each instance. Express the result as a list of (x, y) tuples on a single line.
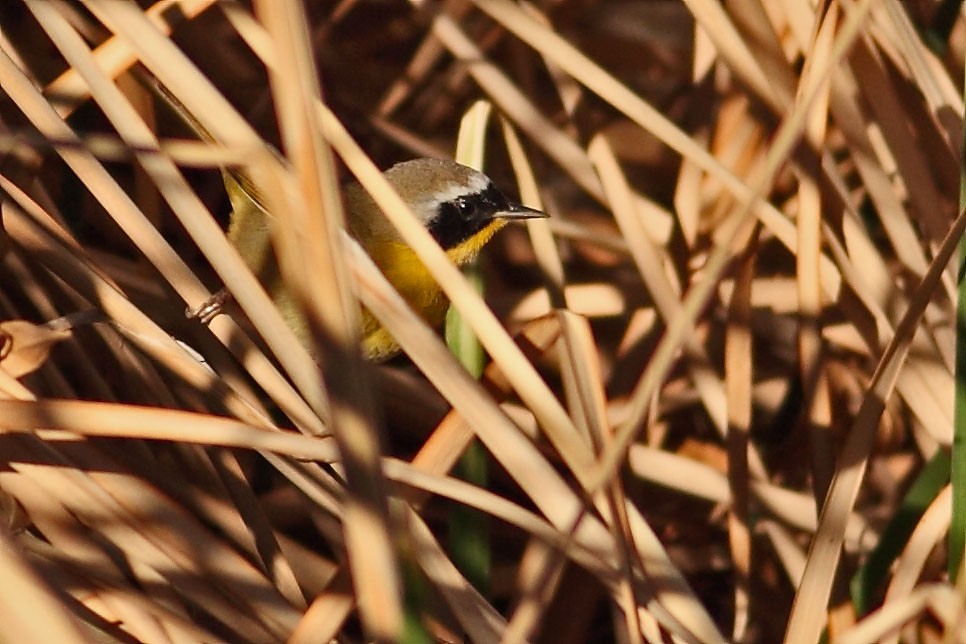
[(460, 207)]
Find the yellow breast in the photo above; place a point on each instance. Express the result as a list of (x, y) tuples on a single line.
[(409, 276)]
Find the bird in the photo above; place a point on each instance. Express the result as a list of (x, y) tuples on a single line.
[(460, 207)]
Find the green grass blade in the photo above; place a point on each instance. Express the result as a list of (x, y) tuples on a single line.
[(957, 529), (867, 581)]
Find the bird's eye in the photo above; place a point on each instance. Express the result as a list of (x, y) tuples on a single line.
[(466, 207)]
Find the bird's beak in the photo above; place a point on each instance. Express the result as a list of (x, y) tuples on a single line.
[(517, 211)]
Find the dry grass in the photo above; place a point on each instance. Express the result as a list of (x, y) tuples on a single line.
[(744, 301)]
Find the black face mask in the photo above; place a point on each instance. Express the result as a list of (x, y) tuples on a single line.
[(459, 219)]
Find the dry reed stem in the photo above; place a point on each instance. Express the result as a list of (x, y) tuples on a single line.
[(750, 233)]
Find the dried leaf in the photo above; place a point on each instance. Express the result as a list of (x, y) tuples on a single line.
[(24, 346)]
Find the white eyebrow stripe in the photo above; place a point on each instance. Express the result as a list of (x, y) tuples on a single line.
[(476, 184)]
